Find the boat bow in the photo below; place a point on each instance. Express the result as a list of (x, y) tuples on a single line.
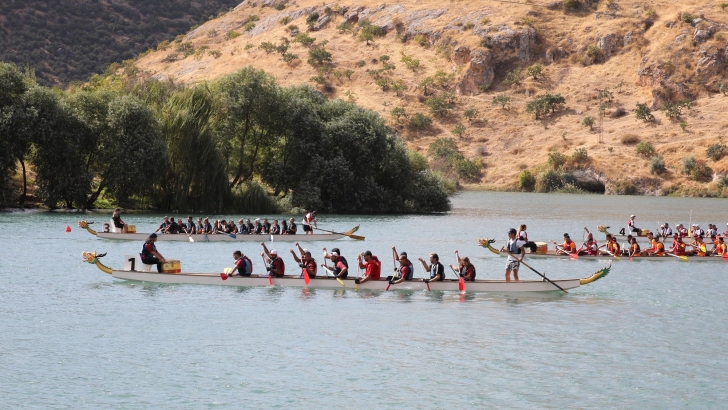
[(92, 258), (85, 225), (486, 243)]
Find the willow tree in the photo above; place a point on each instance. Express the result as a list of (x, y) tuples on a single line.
[(196, 177)]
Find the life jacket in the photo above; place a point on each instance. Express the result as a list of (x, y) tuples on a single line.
[(147, 250), (702, 249), (678, 248), (591, 249), (653, 244), (660, 249), (343, 260), (613, 247), (435, 268), (513, 246), (568, 247), (308, 218), (246, 263), (410, 269), (635, 247), (312, 265), (376, 268), (278, 265), (721, 248), (465, 272)]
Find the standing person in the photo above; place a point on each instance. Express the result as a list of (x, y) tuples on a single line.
[(515, 247), (465, 269), (277, 267), (405, 270), (243, 265), (341, 265), (118, 223), (149, 254), (372, 265), (292, 228), (306, 263), (308, 220), (163, 226), (436, 269)]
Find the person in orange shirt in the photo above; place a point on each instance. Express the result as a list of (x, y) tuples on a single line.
[(720, 247), (657, 249), (568, 247), (634, 248), (612, 246)]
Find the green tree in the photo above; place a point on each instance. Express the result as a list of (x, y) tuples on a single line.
[(535, 71), (643, 113), (501, 100), (14, 118), (588, 122), (318, 55), (471, 113)]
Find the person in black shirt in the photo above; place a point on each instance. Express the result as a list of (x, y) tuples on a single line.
[(436, 269), (292, 228), (173, 227), (266, 225), (163, 227), (118, 223), (190, 226), (258, 228)]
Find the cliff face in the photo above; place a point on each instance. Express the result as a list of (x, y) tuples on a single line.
[(474, 67)]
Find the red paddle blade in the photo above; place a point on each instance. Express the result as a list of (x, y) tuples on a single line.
[(725, 256), (306, 278), (428, 286), (224, 276), (574, 256), (270, 280), (461, 284), (630, 258), (390, 284)]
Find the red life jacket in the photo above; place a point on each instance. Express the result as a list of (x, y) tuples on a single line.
[(245, 259), (279, 265), (374, 268)]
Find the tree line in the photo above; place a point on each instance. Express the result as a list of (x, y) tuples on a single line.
[(241, 143)]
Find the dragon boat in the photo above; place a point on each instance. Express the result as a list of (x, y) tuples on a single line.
[(322, 282), (545, 254), (219, 237)]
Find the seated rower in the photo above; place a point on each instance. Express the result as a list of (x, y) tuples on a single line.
[(612, 245), (266, 226), (681, 230), (243, 265), (699, 247), (523, 236), (242, 229), (190, 226), (200, 227), (665, 230), (257, 228), (275, 229), (292, 228), (149, 254), (118, 223), (284, 227), (436, 269), (233, 227), (163, 226), (306, 262), (634, 248), (180, 226), (712, 231), (678, 246), (590, 247), (567, 248), (276, 267), (465, 269), (720, 247), (405, 272), (372, 265), (173, 227), (657, 248), (341, 265), (207, 227)]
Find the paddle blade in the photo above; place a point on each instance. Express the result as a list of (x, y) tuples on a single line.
[(428, 286), (356, 237), (190, 238), (574, 256), (630, 258), (461, 284), (340, 281), (271, 238), (270, 280), (684, 258), (224, 276), (306, 277), (390, 284), (725, 256), (232, 235)]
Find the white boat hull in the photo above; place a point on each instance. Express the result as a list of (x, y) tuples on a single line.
[(219, 237), (621, 257), (496, 286)]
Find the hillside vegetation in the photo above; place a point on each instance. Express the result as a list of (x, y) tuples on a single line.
[(68, 40), (622, 96)]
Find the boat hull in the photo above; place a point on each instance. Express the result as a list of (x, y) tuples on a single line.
[(219, 237), (621, 257), (495, 286)]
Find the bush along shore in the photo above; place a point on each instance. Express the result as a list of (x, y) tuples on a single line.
[(241, 143)]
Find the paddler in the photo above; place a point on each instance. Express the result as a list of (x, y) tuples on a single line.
[(436, 269), (465, 269), (243, 265), (149, 254), (665, 230), (276, 267), (590, 247), (307, 263), (612, 245), (567, 248), (657, 248), (681, 230), (720, 247), (405, 270), (341, 265), (514, 247), (678, 246), (372, 265), (308, 220), (190, 226), (634, 248), (699, 247), (163, 226)]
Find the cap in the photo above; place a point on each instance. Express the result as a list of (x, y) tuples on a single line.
[(257, 219), (334, 254), (153, 235), (512, 231), (273, 252), (305, 250), (662, 226), (632, 216), (566, 235)]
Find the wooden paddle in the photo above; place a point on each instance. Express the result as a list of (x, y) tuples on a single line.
[(682, 258), (394, 263), (541, 275), (348, 233), (424, 277), (270, 278)]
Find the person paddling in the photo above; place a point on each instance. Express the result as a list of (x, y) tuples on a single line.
[(514, 247), (372, 266), (436, 269), (276, 267), (243, 265), (465, 269), (149, 254), (657, 248), (292, 228), (612, 245), (341, 265), (678, 246), (567, 248), (163, 226), (720, 247), (405, 272), (634, 248), (307, 263)]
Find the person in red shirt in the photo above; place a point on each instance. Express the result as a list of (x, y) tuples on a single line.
[(149, 254), (306, 262), (466, 269), (405, 270), (372, 265), (276, 267), (243, 265), (678, 246)]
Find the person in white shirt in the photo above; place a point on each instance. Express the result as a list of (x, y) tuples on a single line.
[(308, 220), (514, 247)]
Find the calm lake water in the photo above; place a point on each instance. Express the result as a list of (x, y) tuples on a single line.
[(650, 335)]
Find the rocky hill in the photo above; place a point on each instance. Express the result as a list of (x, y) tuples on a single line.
[(622, 96), (68, 40)]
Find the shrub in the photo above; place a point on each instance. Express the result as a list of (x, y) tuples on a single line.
[(267, 46), (580, 155), (657, 165), (528, 21), (398, 112), (643, 112), (443, 79), (361, 63), (526, 180), (674, 110), (723, 181), (572, 4), (289, 57), (439, 105), (318, 55), (312, 18), (212, 33), (716, 152), (398, 86), (651, 13), (469, 25), (471, 113), (420, 122), (688, 18), (442, 148), (344, 27), (459, 130), (588, 122), (466, 169), (248, 47), (410, 62), (556, 160), (701, 172), (417, 161), (231, 35), (688, 165), (630, 139), (723, 5), (304, 39), (383, 83), (593, 54), (501, 100), (215, 53), (348, 73), (163, 45), (284, 20), (545, 104), (513, 77), (534, 71), (369, 31), (645, 149), (248, 27), (549, 181), (420, 39)]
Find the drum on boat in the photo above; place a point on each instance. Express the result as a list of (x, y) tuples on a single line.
[(542, 247), (130, 228), (171, 266)]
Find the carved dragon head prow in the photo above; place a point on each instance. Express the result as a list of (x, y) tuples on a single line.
[(85, 225), (486, 243), (91, 257)]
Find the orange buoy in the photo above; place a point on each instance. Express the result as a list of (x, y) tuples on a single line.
[(68, 228)]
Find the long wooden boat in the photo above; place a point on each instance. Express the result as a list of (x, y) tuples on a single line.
[(495, 286), (553, 255), (212, 237)]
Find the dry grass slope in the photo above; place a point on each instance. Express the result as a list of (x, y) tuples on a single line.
[(653, 52)]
